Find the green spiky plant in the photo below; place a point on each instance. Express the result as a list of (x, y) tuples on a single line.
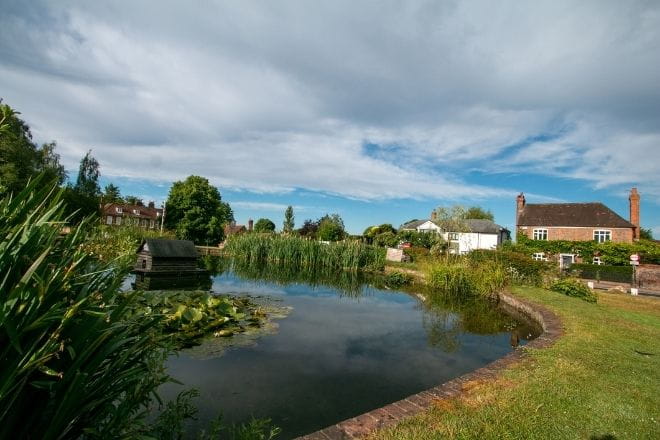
[(74, 360)]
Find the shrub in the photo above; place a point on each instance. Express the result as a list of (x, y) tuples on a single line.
[(521, 268), (460, 278), (417, 254), (618, 274), (397, 279), (574, 288)]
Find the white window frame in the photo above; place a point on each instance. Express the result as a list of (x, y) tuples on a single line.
[(561, 259), (136, 211), (602, 235), (540, 234), (539, 256), (119, 210), (108, 220), (452, 236), (152, 223), (597, 261)]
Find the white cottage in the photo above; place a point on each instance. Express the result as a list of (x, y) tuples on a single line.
[(477, 234)]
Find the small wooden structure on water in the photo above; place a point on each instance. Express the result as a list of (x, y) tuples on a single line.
[(167, 257)]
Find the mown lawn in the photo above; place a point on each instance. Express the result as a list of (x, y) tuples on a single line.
[(601, 380)]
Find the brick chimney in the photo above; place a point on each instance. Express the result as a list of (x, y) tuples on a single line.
[(434, 215), (520, 204), (634, 211), (152, 205), (250, 225)]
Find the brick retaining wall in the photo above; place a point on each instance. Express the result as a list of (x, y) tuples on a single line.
[(417, 403)]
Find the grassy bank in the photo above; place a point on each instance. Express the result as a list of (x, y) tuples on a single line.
[(601, 380), (300, 252)]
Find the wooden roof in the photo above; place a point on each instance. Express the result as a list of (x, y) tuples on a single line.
[(161, 248), (571, 214)]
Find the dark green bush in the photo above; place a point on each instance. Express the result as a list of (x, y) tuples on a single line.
[(574, 288), (397, 279), (617, 274), (417, 254)]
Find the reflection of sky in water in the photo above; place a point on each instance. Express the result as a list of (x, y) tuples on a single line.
[(334, 357)]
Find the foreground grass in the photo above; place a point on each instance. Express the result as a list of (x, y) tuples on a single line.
[(601, 380)]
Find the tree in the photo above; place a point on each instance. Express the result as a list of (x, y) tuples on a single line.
[(477, 212), (309, 228), (111, 194), (646, 234), (87, 182), (451, 219), (288, 220), (264, 225), (331, 228), (133, 200), (196, 212)]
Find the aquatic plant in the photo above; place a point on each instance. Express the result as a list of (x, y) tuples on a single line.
[(300, 252), (460, 278), (73, 360)]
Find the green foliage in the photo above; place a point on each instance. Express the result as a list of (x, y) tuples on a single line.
[(397, 279), (75, 359), (574, 288), (298, 252), (417, 254), (645, 234), (459, 278), (308, 229), (264, 225), (289, 220), (20, 158), (133, 200), (111, 194), (619, 274), (451, 219), (477, 212), (195, 210), (118, 243), (614, 254), (78, 207), (521, 268), (331, 228), (87, 183), (420, 239)]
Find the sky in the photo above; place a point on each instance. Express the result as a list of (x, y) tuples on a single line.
[(377, 110)]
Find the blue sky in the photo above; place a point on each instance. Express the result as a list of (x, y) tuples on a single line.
[(377, 110)]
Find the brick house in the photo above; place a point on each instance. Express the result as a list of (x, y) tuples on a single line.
[(146, 217), (576, 222)]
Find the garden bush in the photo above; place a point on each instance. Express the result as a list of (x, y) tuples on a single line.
[(617, 274), (575, 288), (521, 268), (458, 277), (397, 279)]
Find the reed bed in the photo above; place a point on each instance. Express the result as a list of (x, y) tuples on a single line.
[(458, 277), (303, 253)]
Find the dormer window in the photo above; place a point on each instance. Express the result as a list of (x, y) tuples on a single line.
[(119, 210), (136, 211)]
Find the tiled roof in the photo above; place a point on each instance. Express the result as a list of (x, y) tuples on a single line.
[(571, 214), (483, 226), (169, 248)]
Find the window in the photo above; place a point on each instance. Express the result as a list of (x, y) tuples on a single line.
[(108, 220), (540, 234), (602, 235), (453, 236), (118, 220), (152, 224), (118, 210), (597, 261), (539, 256), (136, 211)]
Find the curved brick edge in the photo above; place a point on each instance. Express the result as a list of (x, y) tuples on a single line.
[(366, 423)]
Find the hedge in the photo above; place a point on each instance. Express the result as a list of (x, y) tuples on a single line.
[(617, 274)]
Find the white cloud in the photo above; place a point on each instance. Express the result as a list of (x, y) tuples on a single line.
[(275, 97)]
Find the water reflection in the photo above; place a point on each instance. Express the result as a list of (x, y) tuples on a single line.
[(172, 281)]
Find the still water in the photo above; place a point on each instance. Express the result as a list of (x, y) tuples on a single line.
[(339, 352)]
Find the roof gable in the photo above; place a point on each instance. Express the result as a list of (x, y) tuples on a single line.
[(571, 214), (161, 248), (483, 226)]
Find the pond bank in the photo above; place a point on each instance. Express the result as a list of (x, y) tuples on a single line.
[(396, 412)]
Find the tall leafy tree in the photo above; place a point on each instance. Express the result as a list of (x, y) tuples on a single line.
[(477, 212), (309, 228), (87, 182), (264, 225), (289, 220), (133, 200), (195, 210), (111, 194), (47, 161), (331, 228)]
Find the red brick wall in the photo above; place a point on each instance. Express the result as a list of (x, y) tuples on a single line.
[(648, 276), (619, 235)]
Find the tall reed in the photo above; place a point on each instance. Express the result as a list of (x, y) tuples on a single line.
[(304, 253), (73, 361), (459, 277)]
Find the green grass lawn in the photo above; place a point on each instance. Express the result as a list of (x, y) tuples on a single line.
[(601, 380)]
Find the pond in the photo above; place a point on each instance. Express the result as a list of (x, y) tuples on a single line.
[(340, 351)]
